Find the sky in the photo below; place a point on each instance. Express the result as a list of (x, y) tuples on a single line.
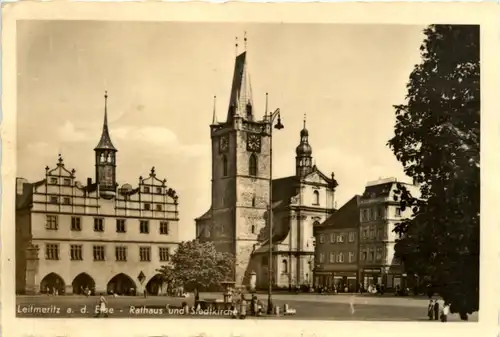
[(161, 79)]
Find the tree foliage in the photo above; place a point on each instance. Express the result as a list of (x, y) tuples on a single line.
[(198, 265), (437, 140)]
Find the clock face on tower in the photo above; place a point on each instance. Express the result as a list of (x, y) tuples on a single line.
[(223, 143), (253, 142)]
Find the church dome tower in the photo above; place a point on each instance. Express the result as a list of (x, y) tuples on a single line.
[(303, 159), (105, 160)]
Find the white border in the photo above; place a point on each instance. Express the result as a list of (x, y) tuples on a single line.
[(486, 14)]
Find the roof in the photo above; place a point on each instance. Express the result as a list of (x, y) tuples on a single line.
[(378, 191), (105, 142), (241, 89), (346, 216)]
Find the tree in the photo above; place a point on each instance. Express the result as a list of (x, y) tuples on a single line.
[(198, 265), (437, 141)]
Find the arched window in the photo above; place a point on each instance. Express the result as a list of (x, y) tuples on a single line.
[(253, 229), (284, 265), (316, 197), (224, 166), (252, 165), (253, 201)]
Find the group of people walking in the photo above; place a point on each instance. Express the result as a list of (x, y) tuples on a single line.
[(435, 313)]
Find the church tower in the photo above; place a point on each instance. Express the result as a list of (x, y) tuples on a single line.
[(240, 174), (105, 160), (303, 159)]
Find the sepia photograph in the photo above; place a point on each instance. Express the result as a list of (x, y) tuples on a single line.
[(258, 171)]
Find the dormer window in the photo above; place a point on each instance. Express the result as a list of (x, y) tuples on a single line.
[(147, 207), (158, 190), (146, 189), (67, 181), (159, 208), (53, 181)]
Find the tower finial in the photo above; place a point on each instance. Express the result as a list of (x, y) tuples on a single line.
[(245, 40), (267, 100), (236, 45), (214, 117), (105, 108), (305, 115)]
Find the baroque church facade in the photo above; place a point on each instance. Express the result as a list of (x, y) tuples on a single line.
[(73, 236), (237, 221)]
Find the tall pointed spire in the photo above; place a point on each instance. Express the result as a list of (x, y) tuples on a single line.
[(105, 141), (241, 101), (214, 117)]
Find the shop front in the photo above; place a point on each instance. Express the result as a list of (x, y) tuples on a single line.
[(323, 279), (371, 278), (345, 281)]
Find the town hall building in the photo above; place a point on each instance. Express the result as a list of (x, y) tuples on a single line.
[(73, 237), (237, 221)]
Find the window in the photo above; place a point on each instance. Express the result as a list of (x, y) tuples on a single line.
[(76, 223), (53, 199), (379, 254), (340, 257), (371, 257), (52, 222), (380, 233), (372, 232), (66, 201), (253, 201), (224, 166), (76, 252), (316, 198), (67, 181), (351, 257), (352, 236), (340, 238), (164, 227), (51, 251), (284, 267), (364, 255), (265, 260), (365, 215), (98, 225), (158, 190), (99, 254), (252, 165), (120, 226), (332, 237), (146, 189), (253, 229), (53, 181), (159, 208), (147, 207), (321, 238), (145, 253), (321, 257), (164, 254), (121, 253), (144, 226), (365, 233), (398, 212), (332, 257)]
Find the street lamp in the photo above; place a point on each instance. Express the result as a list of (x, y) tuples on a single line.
[(278, 126)]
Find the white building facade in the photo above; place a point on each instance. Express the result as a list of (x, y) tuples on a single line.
[(379, 213), (72, 236)]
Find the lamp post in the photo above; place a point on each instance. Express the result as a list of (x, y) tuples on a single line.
[(278, 126)]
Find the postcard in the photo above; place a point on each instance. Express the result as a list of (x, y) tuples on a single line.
[(249, 167)]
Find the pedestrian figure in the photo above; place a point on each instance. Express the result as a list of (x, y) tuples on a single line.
[(243, 307), (446, 311), (102, 307), (430, 310), (436, 310)]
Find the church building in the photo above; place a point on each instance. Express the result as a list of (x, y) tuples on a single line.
[(73, 237), (237, 221)]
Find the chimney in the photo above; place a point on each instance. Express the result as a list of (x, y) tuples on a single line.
[(89, 181)]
